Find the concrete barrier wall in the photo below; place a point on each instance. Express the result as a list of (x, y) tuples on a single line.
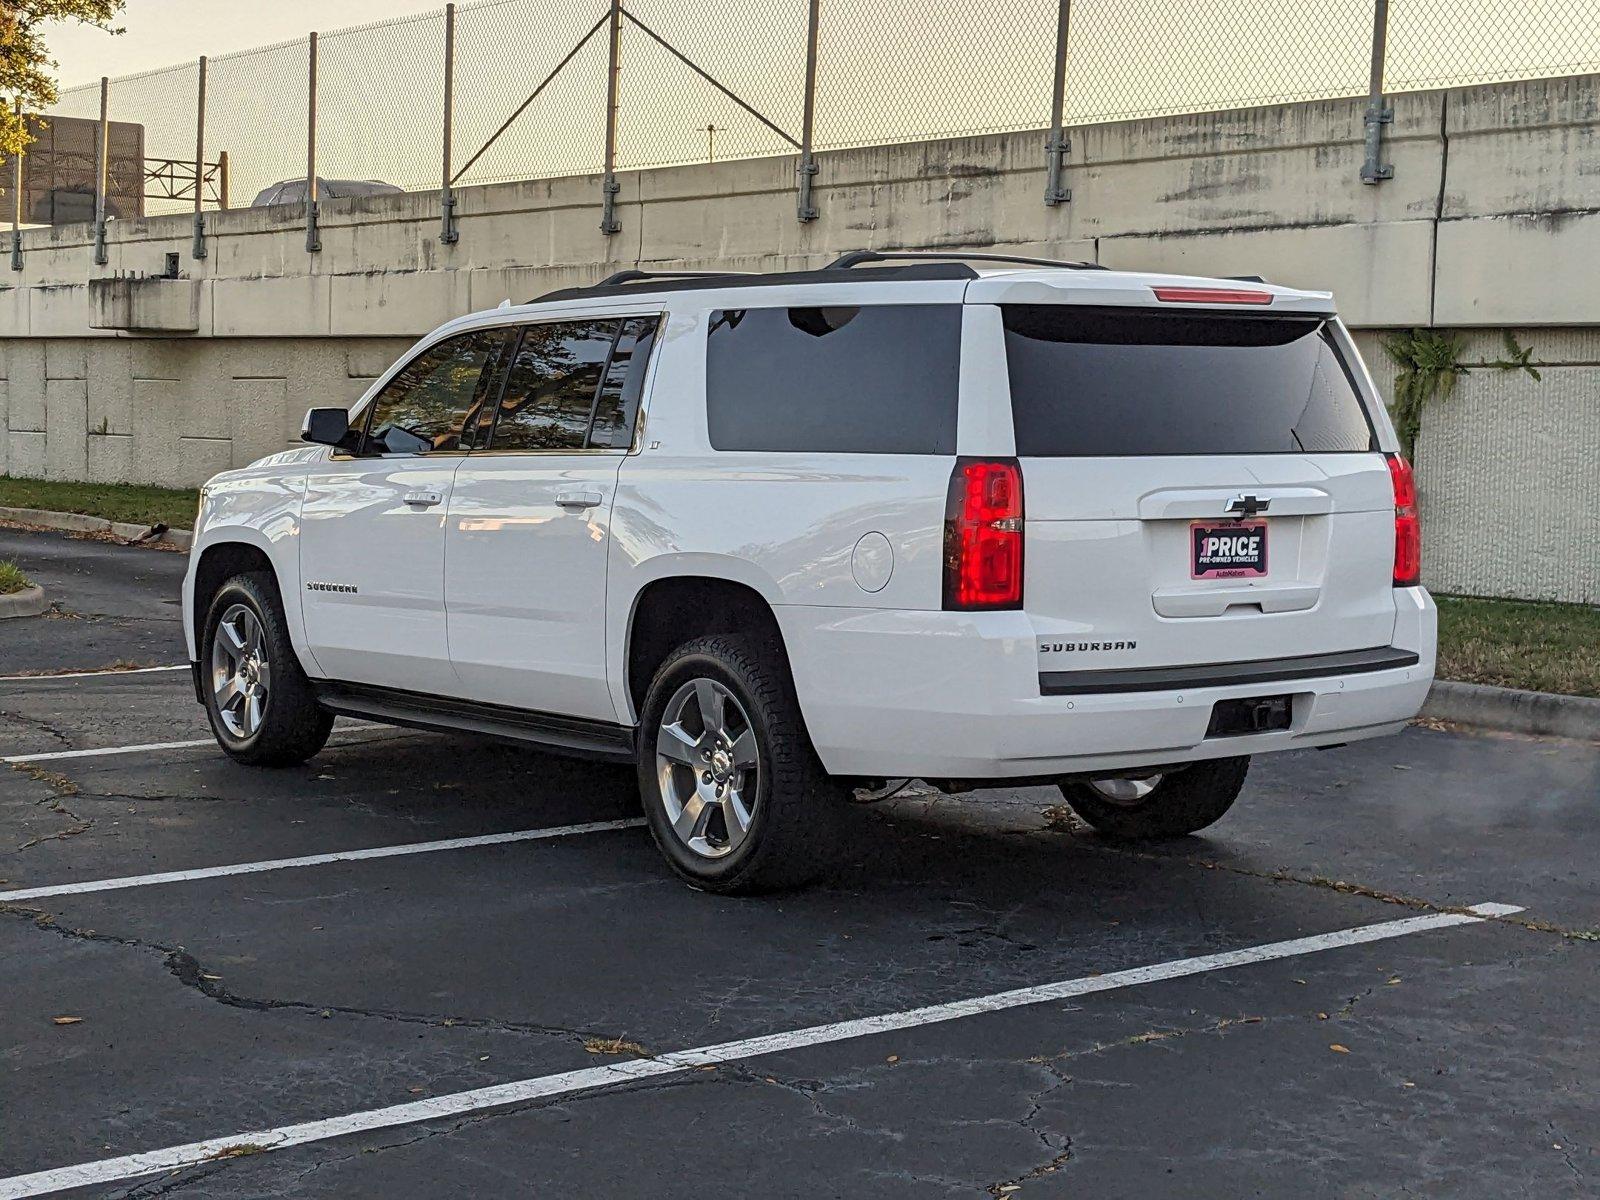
[(1492, 221), (166, 411)]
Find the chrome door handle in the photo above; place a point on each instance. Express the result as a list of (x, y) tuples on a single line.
[(578, 499), (422, 499)]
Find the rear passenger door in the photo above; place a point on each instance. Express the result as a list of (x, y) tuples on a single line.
[(529, 519)]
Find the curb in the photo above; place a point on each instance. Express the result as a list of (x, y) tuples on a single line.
[(29, 602), (80, 523), (1544, 714)]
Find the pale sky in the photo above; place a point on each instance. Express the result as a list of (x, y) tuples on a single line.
[(162, 32)]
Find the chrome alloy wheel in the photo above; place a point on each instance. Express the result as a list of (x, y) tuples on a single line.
[(241, 677), (1130, 792), (708, 767)]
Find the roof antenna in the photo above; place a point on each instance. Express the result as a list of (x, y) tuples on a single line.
[(506, 303)]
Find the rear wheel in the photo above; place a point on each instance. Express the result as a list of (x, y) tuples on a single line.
[(1158, 806), (260, 704), (735, 796)]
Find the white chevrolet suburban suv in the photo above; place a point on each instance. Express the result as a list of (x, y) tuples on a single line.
[(772, 538)]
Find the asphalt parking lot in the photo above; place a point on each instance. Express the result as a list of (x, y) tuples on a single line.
[(985, 999), (111, 604)]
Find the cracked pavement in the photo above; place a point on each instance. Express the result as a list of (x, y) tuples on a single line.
[(250, 1002)]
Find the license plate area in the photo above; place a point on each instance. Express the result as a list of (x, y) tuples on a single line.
[(1249, 714), (1227, 550)]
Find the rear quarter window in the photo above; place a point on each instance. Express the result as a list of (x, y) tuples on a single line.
[(1091, 382), (873, 379)]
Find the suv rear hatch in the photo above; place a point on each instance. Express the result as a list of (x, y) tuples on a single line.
[(1202, 486)]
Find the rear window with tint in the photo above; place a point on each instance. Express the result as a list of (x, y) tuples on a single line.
[(868, 380), (1127, 381)]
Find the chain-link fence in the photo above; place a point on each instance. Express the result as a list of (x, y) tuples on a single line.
[(526, 89)]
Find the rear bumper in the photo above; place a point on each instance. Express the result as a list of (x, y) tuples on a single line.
[(1221, 675), (959, 695)]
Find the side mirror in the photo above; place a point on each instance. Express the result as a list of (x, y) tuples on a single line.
[(325, 426)]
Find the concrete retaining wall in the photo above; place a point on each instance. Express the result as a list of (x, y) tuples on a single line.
[(165, 411), (1491, 221)]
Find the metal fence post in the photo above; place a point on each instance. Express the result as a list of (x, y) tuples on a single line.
[(1373, 169), (807, 169), (16, 202), (1059, 145), (222, 180), (102, 148), (199, 250), (610, 186), (447, 196), (313, 239)]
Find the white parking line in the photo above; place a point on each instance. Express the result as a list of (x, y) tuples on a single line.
[(316, 860), (106, 751), (90, 674), (150, 1162), (148, 747)]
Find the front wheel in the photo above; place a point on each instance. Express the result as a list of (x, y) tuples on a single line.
[(259, 701), (1158, 806), (735, 796)]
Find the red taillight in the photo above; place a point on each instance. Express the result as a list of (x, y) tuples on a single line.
[(1200, 295), (983, 535), (1407, 524)]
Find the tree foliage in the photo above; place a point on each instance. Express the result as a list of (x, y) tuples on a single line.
[(26, 68), (1430, 366)]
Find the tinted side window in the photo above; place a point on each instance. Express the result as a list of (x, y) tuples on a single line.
[(551, 389), (434, 396), (1132, 381), (618, 401), (871, 380)]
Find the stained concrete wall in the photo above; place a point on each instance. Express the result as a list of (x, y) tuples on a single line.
[(1492, 220), (166, 411)]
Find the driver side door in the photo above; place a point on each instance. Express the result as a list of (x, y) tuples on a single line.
[(373, 519)]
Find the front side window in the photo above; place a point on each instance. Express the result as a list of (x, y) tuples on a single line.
[(878, 379), (436, 395), (574, 385)]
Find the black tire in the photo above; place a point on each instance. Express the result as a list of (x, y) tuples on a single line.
[(1183, 802), (794, 821), (293, 726)]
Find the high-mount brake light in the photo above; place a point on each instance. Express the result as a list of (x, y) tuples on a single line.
[(983, 535), (1200, 295), (1407, 523)]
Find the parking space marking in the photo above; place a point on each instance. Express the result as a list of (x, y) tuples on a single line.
[(317, 860), (588, 1079), (90, 674), (104, 751), (150, 747)]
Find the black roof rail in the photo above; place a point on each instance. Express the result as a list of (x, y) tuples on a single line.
[(646, 282), (857, 257), (630, 275)]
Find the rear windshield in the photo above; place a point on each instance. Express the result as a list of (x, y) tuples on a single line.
[(1128, 381), (866, 380)]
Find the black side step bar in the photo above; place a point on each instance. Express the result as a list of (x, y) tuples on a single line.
[(1268, 670), (564, 735)]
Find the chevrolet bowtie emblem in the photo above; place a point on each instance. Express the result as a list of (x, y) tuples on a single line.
[(1245, 506)]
